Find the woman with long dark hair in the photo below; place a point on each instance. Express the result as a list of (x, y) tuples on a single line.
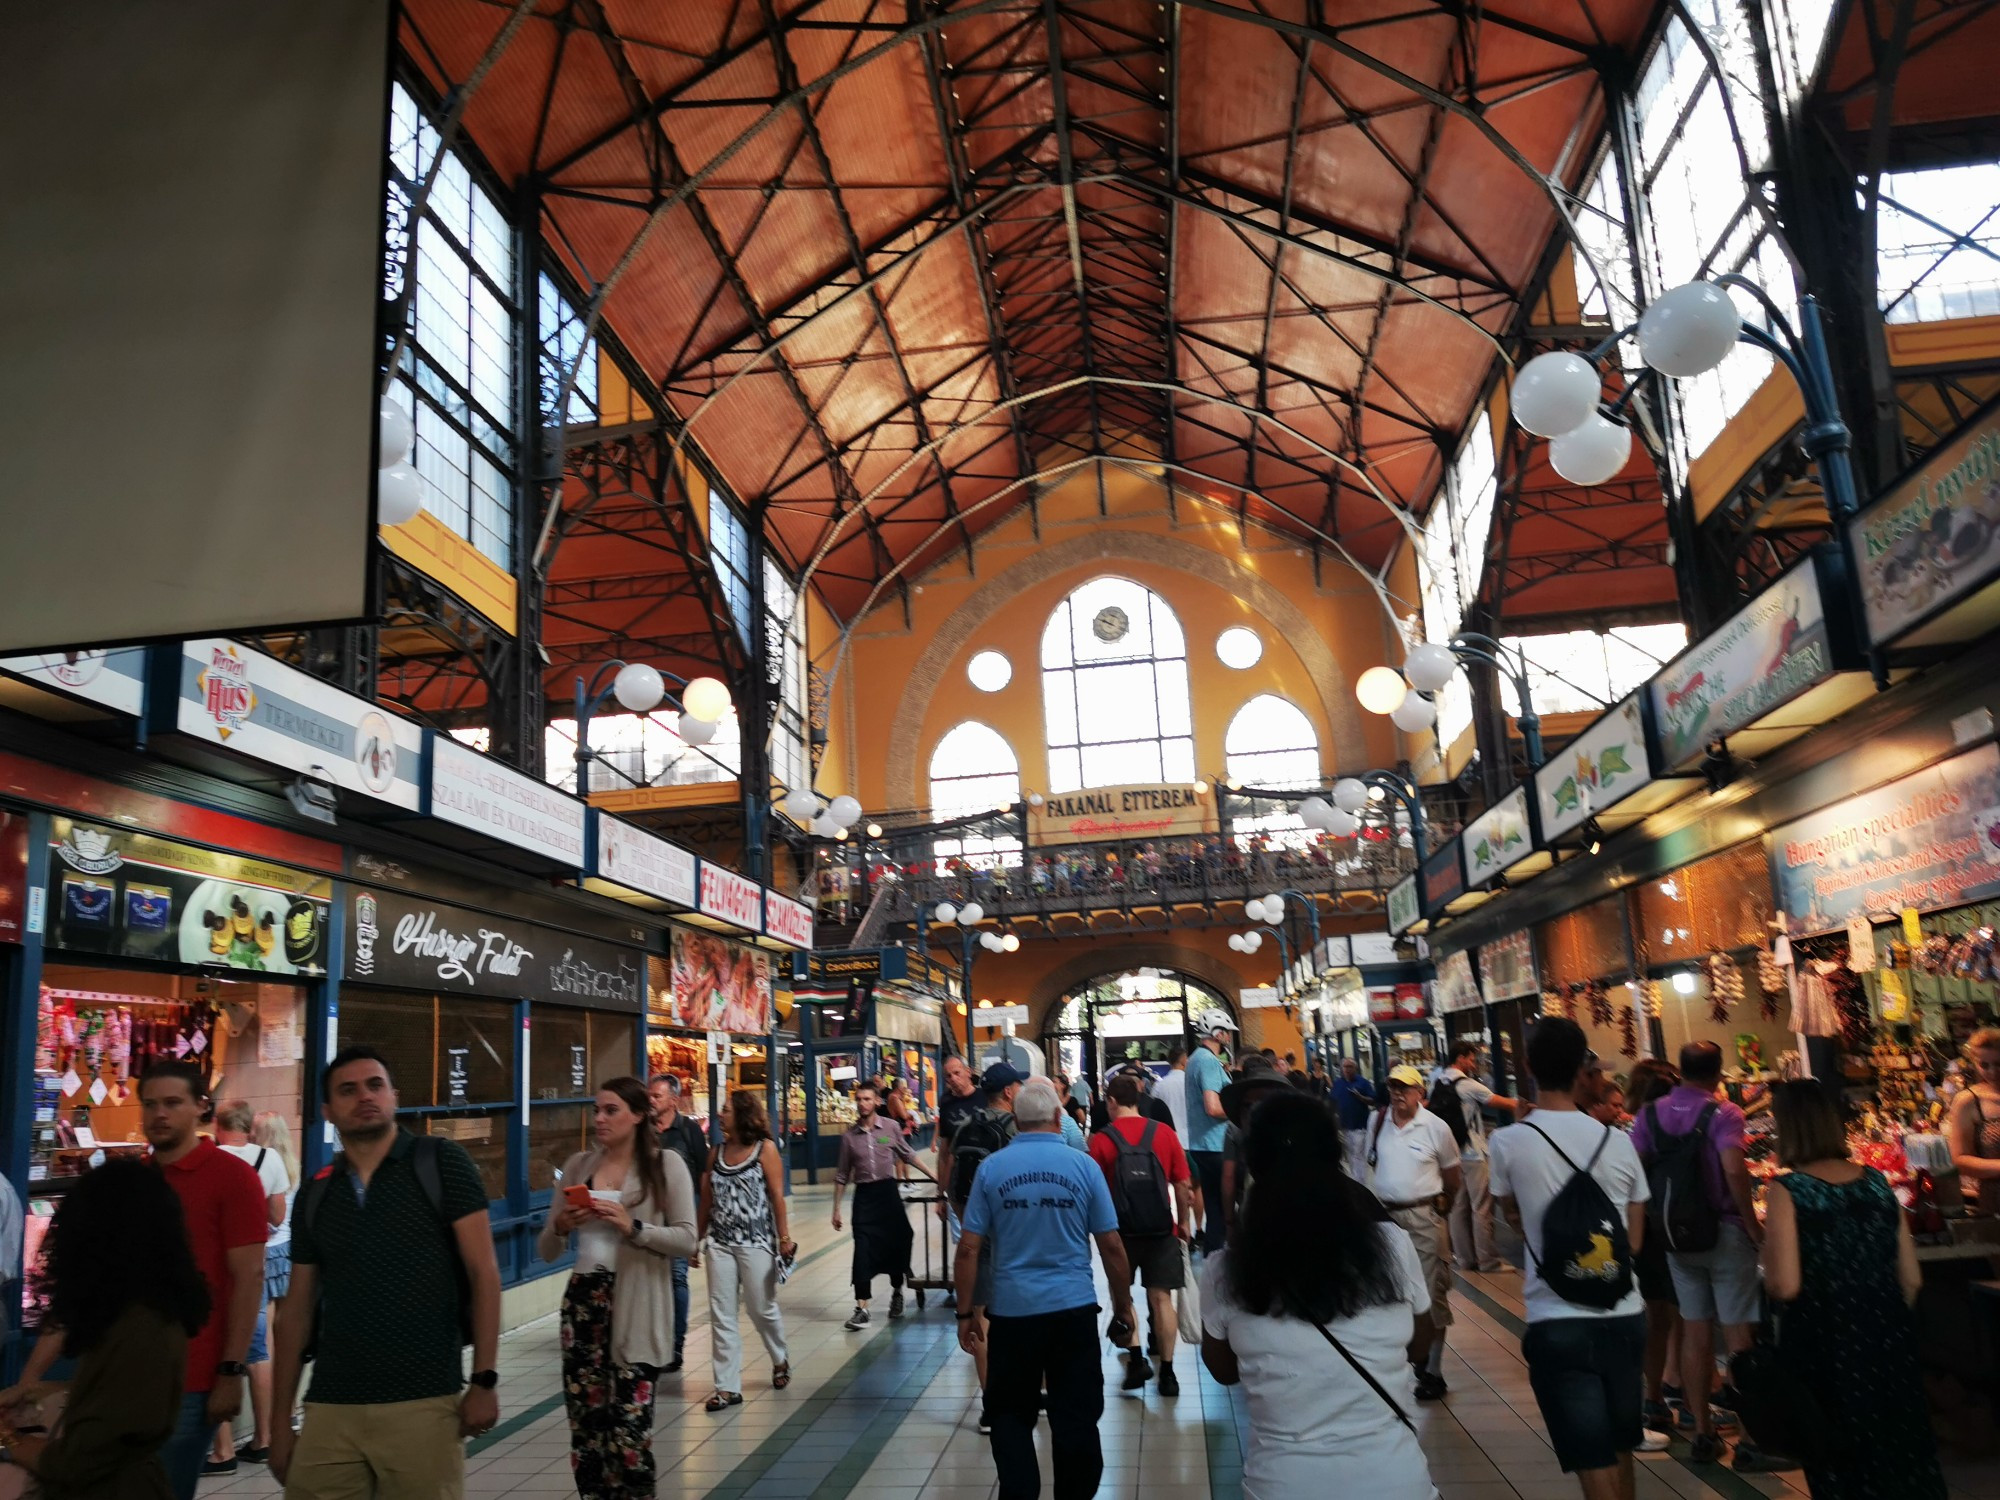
[(123, 1287), (1838, 1255), (744, 1226), (631, 1207), (1312, 1307)]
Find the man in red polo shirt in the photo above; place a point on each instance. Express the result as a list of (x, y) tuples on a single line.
[(227, 1224), (1151, 1230)]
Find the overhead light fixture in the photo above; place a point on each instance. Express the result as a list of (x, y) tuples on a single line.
[(1381, 690)]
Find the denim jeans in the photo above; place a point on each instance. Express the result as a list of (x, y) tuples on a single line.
[(186, 1450), (680, 1305)]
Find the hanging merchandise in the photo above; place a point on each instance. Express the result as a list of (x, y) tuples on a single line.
[(1628, 1026), (1813, 1009), (1598, 998), (1725, 985), (1850, 1001), (1971, 955), (1556, 1002), (1654, 995), (1894, 1001), (1770, 981), (1860, 944)]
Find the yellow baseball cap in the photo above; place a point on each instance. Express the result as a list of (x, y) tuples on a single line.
[(1406, 1075)]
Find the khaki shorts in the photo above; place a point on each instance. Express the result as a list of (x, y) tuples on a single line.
[(1427, 1232), (393, 1450)]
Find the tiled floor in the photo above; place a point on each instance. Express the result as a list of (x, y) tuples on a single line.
[(888, 1414)]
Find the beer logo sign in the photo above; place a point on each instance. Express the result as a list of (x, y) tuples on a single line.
[(226, 694)]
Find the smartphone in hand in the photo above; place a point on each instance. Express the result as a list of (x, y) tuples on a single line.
[(577, 1198)]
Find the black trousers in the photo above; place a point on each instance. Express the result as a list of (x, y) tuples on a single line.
[(1208, 1168), (1059, 1348)]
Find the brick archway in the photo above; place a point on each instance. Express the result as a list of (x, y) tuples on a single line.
[(1100, 548), (1114, 958)]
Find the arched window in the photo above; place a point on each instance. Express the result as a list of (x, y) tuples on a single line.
[(1270, 743), (974, 770), (1115, 689)]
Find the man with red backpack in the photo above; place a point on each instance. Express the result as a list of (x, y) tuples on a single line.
[(1151, 1188)]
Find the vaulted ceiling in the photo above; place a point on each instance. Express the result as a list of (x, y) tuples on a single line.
[(893, 260)]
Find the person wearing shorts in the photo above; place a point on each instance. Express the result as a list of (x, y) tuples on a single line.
[(1156, 1259), (1412, 1163)]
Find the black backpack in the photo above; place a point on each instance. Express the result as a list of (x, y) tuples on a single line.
[(984, 1132), (1139, 1188), (1448, 1107), (430, 1177), (1586, 1254), (1680, 1213)]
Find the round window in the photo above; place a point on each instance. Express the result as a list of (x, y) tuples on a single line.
[(1239, 647), (989, 671)]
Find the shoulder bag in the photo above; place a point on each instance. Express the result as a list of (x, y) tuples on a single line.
[(1362, 1370)]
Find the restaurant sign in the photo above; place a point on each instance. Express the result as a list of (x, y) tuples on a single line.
[(1498, 839), (1934, 538), (1597, 770), (1444, 879), (731, 898), (1769, 652), (787, 920), (641, 861), (1104, 813), (474, 791), (1928, 841), (1404, 907)]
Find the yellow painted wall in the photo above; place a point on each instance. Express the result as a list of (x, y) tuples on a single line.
[(1342, 611), (438, 552), (836, 767)]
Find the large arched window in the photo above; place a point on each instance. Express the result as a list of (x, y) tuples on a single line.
[(1115, 689), (1271, 743), (974, 770)]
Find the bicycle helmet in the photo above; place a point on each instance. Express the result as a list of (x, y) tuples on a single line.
[(1213, 1019)]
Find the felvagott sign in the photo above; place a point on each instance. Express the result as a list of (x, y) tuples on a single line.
[(1104, 813), (408, 943)]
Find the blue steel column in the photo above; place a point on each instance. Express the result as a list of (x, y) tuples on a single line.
[(23, 984), (323, 1034)]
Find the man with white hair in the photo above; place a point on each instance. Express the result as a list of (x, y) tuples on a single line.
[(1040, 1205)]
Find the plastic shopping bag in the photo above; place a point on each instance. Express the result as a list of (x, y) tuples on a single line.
[(1187, 1301)]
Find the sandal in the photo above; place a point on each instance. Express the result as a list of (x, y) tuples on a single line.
[(722, 1399), (781, 1376)]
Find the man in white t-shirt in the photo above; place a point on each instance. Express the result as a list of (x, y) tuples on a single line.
[(234, 1119), (1586, 1365), (1472, 1215), (1412, 1164), (1171, 1086)]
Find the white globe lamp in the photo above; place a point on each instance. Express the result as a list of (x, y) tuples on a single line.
[(801, 806), (1414, 714), (1343, 825), (639, 688), (844, 810), (1689, 330), (706, 698), (1555, 392), (1236, 942), (396, 434), (1252, 941), (1011, 942), (945, 912), (971, 914), (696, 731), (824, 827), (1350, 794), (399, 495), (1315, 811), (1593, 453), (1380, 689), (1429, 667)]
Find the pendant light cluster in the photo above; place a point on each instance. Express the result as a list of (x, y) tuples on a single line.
[(399, 490)]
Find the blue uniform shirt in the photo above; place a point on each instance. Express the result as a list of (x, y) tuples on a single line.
[(1204, 1072), (1354, 1101), (1038, 1203)]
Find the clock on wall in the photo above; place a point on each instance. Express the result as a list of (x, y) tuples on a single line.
[(1112, 624)]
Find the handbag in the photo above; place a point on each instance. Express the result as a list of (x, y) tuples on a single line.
[(1779, 1409), (1187, 1301)]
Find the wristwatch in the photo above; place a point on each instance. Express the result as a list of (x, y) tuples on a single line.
[(486, 1380), (232, 1367)]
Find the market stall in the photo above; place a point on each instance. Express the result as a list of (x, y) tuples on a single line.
[(709, 1009)]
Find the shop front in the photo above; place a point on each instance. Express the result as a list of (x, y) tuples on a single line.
[(497, 1031), (710, 1010), (1399, 1016), (909, 1047)]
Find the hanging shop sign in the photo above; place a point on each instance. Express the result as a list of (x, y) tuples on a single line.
[(1263, 997), (985, 1017), (135, 895), (1455, 989), (1770, 651), (1332, 953), (843, 964), (1166, 810), (1498, 839), (1928, 841), (731, 898), (1443, 878), (473, 791), (1927, 553), (1382, 1005), (641, 861), (787, 920), (411, 943), (1373, 948), (111, 679), (13, 876), (1507, 969), (1405, 908), (1596, 771), (224, 693), (896, 1022), (1410, 1003), (719, 985)]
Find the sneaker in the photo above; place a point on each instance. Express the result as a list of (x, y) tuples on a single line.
[(1753, 1460), (1431, 1386), (1657, 1416), (858, 1319), (219, 1466), (1170, 1383), (985, 1423), (1137, 1371), (1705, 1449), (1652, 1442), (896, 1303)]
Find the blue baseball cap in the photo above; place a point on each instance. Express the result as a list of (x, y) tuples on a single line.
[(1000, 1076)]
